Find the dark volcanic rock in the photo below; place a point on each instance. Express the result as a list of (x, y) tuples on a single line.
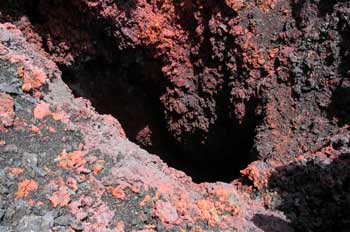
[(209, 86)]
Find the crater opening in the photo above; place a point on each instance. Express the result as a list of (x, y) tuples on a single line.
[(128, 83), (340, 104), (129, 88)]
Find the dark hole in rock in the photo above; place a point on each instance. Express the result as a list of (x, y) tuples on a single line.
[(129, 88), (340, 104), (127, 84)]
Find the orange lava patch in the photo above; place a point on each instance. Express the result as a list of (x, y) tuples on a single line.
[(15, 171), (51, 129), (153, 32), (183, 203), (25, 187), (266, 5), (60, 198), (256, 175), (72, 183), (150, 227), (42, 110), (7, 114), (208, 212), (226, 201), (166, 212), (235, 4), (97, 168), (117, 192), (71, 160), (32, 202), (58, 116), (35, 129), (119, 227), (145, 200), (33, 80)]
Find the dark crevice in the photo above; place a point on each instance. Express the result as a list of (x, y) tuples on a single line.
[(340, 104), (128, 83), (340, 100), (129, 88)]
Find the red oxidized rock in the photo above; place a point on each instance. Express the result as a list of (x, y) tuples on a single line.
[(7, 114)]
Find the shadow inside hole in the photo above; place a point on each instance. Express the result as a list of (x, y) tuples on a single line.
[(129, 89), (340, 104), (127, 84)]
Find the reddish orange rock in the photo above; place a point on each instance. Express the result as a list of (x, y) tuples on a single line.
[(15, 171), (117, 192), (61, 197), (25, 187), (120, 227), (58, 116), (31, 202), (267, 5), (7, 114), (72, 183), (166, 212), (33, 80), (42, 110), (51, 129), (208, 211), (259, 177), (35, 129), (235, 4), (71, 160), (145, 200), (97, 168)]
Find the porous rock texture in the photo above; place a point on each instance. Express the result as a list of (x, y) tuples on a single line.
[(208, 76)]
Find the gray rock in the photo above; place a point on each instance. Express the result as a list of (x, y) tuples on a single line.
[(4, 36), (2, 214), (10, 148), (63, 220), (10, 212), (40, 172), (36, 223), (30, 160), (3, 182), (8, 87), (9, 80), (5, 229)]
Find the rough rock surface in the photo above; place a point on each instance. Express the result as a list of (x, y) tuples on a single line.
[(230, 81)]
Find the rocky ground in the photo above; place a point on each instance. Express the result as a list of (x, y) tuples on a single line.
[(147, 115)]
